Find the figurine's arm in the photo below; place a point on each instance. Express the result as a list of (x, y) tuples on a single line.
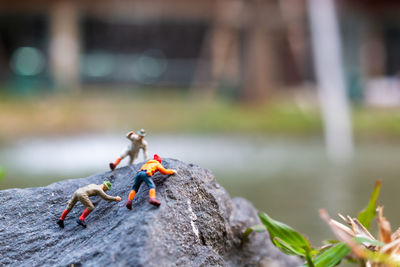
[(145, 154), (107, 197), (130, 135), (161, 169)]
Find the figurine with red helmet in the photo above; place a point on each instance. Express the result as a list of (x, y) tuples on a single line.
[(144, 175)]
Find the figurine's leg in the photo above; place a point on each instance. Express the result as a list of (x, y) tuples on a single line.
[(83, 216), (71, 203), (136, 184), (84, 199), (152, 197), (131, 159), (132, 194), (138, 181), (113, 165), (152, 191), (64, 214), (89, 207), (132, 156)]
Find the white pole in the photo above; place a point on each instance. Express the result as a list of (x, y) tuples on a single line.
[(331, 83), (64, 45)]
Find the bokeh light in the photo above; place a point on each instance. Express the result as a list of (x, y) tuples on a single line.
[(149, 66), (98, 64), (27, 61)]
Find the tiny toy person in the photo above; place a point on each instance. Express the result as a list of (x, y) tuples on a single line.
[(83, 194), (132, 150), (144, 175)]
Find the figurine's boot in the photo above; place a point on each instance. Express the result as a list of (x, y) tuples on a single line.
[(60, 222), (153, 200), (114, 165), (130, 198), (81, 220)]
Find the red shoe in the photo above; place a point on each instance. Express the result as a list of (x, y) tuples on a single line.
[(129, 204), (112, 166), (154, 201)]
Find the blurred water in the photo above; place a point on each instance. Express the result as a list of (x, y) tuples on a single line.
[(289, 179)]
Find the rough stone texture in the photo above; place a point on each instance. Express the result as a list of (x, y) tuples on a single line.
[(197, 224)]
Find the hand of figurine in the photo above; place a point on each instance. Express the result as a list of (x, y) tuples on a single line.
[(130, 133), (174, 171), (118, 198)]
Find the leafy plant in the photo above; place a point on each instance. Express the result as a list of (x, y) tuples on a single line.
[(366, 215), (290, 242), (354, 241), (287, 239)]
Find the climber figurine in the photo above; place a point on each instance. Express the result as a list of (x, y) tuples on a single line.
[(83, 194), (132, 151), (144, 175)]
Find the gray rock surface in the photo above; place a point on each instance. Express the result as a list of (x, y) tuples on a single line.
[(197, 224)]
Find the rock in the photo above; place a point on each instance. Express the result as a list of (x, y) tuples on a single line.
[(197, 224)]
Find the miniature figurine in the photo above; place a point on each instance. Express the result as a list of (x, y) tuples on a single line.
[(132, 151), (144, 175), (83, 194)]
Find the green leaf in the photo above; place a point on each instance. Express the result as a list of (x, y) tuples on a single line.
[(325, 248), (309, 259), (365, 216), (289, 249), (361, 239), (331, 256), (259, 228), (285, 237)]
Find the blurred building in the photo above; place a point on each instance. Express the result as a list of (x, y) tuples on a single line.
[(239, 48)]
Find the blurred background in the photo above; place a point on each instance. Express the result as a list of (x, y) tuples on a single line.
[(294, 105)]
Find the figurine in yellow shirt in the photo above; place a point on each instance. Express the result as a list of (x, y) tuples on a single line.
[(144, 175)]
